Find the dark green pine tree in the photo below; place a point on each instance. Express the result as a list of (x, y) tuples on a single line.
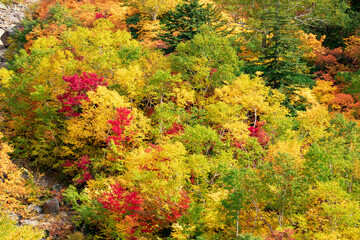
[(281, 59), (183, 23)]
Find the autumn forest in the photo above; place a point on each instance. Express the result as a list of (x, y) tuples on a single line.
[(184, 119)]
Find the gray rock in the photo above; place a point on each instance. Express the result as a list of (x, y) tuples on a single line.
[(29, 222), (14, 20), (2, 31), (35, 208), (63, 215), (40, 217), (14, 216), (51, 206), (4, 38), (57, 187)]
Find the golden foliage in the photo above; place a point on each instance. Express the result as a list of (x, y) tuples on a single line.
[(184, 95), (311, 45), (313, 122), (13, 189), (155, 7), (291, 147), (231, 118), (304, 95), (324, 91), (131, 80), (9, 230), (212, 216), (93, 127), (333, 214), (88, 50), (159, 170), (353, 46), (149, 31), (253, 96)]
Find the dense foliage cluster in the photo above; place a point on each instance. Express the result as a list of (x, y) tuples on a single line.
[(190, 119)]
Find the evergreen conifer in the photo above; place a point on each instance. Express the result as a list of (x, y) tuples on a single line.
[(183, 23)]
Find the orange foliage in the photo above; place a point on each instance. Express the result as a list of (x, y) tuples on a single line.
[(311, 45), (353, 48), (331, 64), (51, 30), (12, 185), (343, 102), (356, 112), (332, 61), (86, 11)]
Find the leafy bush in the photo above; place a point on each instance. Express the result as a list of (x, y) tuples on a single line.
[(9, 230)]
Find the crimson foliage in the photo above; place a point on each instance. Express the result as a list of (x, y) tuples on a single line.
[(76, 92)]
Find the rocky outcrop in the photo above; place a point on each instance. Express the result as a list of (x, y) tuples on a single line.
[(10, 18), (5, 38), (51, 206), (33, 208)]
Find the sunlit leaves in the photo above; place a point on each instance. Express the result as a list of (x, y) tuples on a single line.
[(333, 211), (185, 145), (201, 140), (313, 122), (207, 61), (10, 230)]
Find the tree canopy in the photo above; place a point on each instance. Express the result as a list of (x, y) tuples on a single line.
[(190, 119)]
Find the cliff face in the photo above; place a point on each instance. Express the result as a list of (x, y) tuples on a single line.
[(10, 18)]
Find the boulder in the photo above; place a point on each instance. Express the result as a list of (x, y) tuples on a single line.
[(29, 222), (14, 19), (51, 206), (2, 31), (5, 38), (14, 216), (35, 208)]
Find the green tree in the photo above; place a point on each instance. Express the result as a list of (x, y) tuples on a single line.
[(250, 14), (337, 156), (244, 186), (272, 27), (281, 60), (207, 61), (186, 20)]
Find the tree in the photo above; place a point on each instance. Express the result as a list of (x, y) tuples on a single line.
[(277, 22), (186, 20), (336, 155), (249, 14), (243, 185), (281, 63), (333, 212), (207, 61), (30, 89), (154, 7)]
